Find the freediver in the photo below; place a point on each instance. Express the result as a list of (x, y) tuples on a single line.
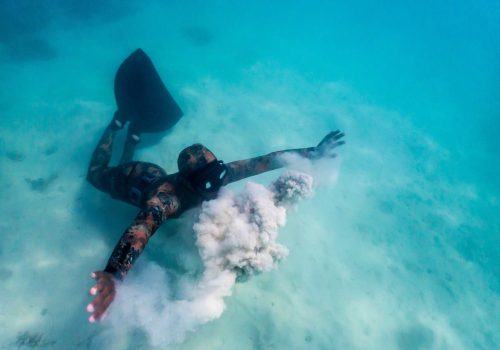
[(144, 102)]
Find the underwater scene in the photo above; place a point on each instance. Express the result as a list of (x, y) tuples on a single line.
[(389, 241)]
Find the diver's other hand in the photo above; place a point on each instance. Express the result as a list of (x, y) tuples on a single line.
[(105, 291), (326, 147)]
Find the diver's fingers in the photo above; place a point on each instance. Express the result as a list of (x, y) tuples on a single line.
[(103, 281), (331, 144), (338, 135), (331, 134), (98, 288), (102, 289), (101, 308), (95, 307), (97, 275), (96, 302), (90, 308), (95, 289)]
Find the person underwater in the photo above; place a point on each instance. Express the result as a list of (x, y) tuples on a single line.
[(145, 104)]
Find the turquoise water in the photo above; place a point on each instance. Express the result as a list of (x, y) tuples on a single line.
[(396, 249)]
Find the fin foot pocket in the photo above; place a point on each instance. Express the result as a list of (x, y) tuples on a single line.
[(141, 96)]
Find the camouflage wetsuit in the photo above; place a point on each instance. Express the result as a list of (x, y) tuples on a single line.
[(158, 195)]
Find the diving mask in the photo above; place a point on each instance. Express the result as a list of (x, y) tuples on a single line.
[(209, 178)]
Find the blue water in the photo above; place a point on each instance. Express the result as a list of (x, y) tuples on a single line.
[(397, 250)]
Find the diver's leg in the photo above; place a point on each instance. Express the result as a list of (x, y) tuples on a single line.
[(98, 168), (133, 138)]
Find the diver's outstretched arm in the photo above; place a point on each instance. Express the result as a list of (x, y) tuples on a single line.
[(249, 167), (131, 244)]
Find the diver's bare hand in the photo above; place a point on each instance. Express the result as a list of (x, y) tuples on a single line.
[(329, 143), (105, 289)]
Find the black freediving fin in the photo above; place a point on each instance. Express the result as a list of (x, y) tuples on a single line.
[(142, 98)]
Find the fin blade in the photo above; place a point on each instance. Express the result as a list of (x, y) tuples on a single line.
[(141, 96)]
